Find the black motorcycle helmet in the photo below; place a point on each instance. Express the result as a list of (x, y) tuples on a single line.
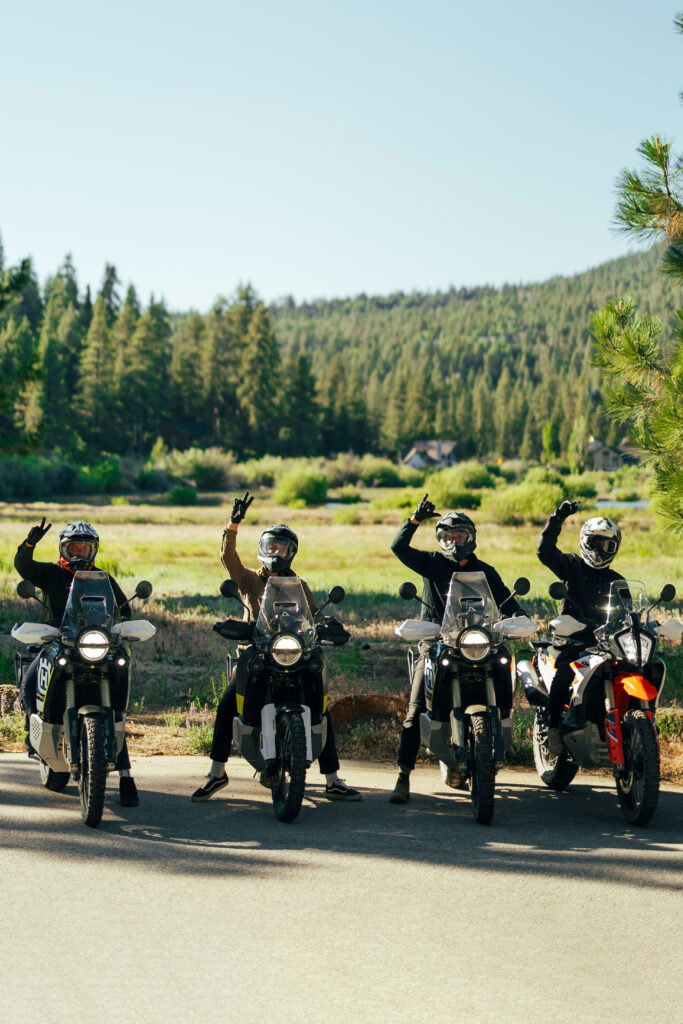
[(457, 535), (78, 544), (277, 546)]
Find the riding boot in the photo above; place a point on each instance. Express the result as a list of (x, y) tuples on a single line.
[(401, 792)]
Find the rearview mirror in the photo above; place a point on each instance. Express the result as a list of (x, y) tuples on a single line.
[(522, 586), (557, 590), (668, 592), (408, 591), (336, 595), (143, 589), (230, 590), (26, 589)]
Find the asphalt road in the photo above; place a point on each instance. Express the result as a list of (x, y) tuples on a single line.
[(180, 912)]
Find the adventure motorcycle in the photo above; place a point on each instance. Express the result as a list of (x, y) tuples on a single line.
[(83, 676), (468, 673), (279, 727), (616, 687)]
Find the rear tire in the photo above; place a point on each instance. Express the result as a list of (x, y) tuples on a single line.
[(482, 781), (55, 781), (290, 780), (638, 791), (555, 772), (93, 779)]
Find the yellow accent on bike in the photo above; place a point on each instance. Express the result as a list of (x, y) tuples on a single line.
[(324, 703), (240, 703)]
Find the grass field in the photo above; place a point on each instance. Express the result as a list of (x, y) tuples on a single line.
[(178, 550)]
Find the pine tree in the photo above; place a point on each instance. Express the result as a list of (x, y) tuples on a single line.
[(96, 380), (258, 390), (645, 381), (300, 417)]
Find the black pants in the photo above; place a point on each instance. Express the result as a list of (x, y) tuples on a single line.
[(561, 684), (27, 697), (227, 709), (410, 733)]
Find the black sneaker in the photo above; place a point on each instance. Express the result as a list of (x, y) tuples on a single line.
[(266, 780), (210, 785), (338, 790), (128, 792)]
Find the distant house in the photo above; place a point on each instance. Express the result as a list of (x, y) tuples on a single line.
[(601, 456), (431, 455)]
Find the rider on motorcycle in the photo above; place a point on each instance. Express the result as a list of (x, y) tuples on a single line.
[(587, 578), (276, 549), (78, 544), (457, 538)]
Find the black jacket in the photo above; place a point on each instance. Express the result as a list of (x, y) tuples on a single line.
[(436, 571), (55, 583), (587, 587)]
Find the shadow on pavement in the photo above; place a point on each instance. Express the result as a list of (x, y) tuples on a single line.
[(579, 833)]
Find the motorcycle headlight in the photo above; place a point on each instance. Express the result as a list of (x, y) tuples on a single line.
[(93, 645), (627, 643), (474, 645), (286, 650)]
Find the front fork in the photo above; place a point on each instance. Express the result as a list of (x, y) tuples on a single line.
[(72, 717), (458, 730)]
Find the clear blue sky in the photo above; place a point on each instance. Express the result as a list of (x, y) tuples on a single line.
[(329, 147)]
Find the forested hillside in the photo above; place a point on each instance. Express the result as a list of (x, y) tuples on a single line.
[(500, 370)]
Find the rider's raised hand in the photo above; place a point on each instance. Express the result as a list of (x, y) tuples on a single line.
[(37, 533), (240, 506), (566, 509), (425, 510)]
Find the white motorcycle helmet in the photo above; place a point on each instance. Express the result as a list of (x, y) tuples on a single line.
[(599, 541)]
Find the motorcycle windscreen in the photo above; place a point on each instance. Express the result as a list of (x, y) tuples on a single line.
[(625, 597), (469, 603), (284, 609), (90, 603)]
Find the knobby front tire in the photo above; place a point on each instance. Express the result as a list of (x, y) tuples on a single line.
[(288, 785), (483, 770), (93, 780), (638, 790)]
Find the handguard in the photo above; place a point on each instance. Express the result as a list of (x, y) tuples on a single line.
[(518, 627), (235, 629), (413, 630), (333, 632), (671, 630)]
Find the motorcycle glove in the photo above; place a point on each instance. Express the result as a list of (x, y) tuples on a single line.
[(36, 533), (240, 506), (566, 509), (425, 510)]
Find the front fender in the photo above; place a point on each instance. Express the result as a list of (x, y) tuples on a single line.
[(636, 686)]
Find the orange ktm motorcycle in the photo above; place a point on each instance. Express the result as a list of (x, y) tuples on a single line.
[(617, 684)]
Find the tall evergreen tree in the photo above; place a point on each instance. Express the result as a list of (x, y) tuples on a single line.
[(258, 390)]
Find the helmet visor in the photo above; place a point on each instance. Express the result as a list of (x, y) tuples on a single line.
[(603, 545), (453, 536), (79, 549)]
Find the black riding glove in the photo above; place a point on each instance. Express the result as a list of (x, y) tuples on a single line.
[(37, 533), (239, 507), (566, 509), (425, 510)]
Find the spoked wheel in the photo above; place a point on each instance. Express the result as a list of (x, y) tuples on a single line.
[(288, 784), (638, 789), (56, 781), (557, 772), (93, 780), (482, 781)]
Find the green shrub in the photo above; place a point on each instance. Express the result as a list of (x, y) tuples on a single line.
[(376, 472), (512, 469), (32, 478), (580, 485), (545, 475), (525, 502), (626, 494), (407, 499), (183, 494), (348, 495), (260, 472), (199, 738), (345, 516), (454, 487), (101, 477), (412, 477), (305, 486), (209, 469)]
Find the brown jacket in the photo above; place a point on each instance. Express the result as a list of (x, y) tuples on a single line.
[(252, 582)]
